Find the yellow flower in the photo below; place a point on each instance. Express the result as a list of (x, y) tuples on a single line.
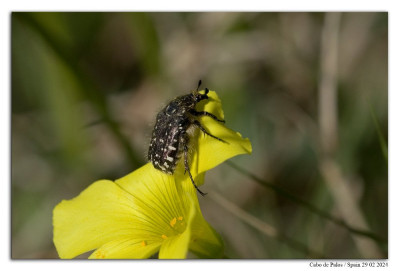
[(148, 211)]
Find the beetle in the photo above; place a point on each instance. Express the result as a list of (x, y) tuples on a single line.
[(170, 138)]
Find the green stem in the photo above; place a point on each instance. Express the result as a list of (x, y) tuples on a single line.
[(308, 205), (382, 140), (264, 227)]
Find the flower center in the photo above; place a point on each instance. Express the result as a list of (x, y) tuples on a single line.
[(178, 226)]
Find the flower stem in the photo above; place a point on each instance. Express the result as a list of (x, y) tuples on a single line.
[(308, 205)]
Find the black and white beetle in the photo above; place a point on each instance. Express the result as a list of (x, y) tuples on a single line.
[(170, 138)]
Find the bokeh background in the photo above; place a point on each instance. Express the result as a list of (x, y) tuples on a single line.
[(310, 90)]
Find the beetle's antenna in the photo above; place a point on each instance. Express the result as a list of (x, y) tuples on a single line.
[(198, 86)]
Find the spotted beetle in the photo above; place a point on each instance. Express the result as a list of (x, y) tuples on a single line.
[(170, 138)]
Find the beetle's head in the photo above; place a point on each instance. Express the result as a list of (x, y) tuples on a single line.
[(199, 96)]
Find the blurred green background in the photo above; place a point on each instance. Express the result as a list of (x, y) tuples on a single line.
[(86, 88)]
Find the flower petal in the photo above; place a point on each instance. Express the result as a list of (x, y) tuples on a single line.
[(206, 242), (159, 192), (126, 248), (177, 247), (144, 176), (100, 214)]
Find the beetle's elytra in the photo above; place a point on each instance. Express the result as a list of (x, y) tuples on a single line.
[(170, 138)]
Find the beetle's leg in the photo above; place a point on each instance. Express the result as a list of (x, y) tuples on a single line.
[(185, 159), (205, 113), (198, 124)]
